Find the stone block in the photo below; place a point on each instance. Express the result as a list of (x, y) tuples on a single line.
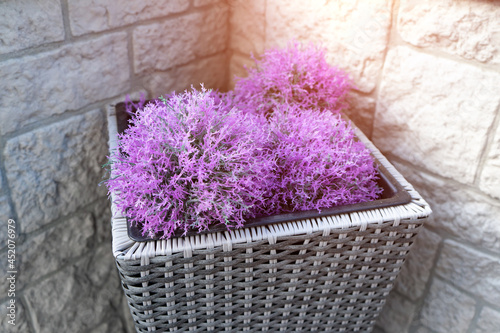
[(490, 176), (471, 270), (489, 321), (79, 297), (21, 318), (355, 34), (55, 170), (2, 188), (177, 41), (469, 29), (114, 326), (416, 271), (6, 214), (101, 214), (447, 308), (25, 24), (397, 314), (459, 211), (33, 88), (199, 3), (211, 71), (361, 111), (98, 15), (428, 112), (247, 24), (55, 247), (237, 68)]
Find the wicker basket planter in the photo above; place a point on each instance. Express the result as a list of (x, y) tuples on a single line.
[(294, 272)]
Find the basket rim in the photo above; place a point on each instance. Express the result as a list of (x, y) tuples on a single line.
[(407, 204)]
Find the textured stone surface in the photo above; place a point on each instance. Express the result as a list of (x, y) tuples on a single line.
[(470, 29), (470, 270), (247, 23), (97, 15), (413, 277), (434, 112), (489, 321), (2, 188), (101, 214), (355, 33), (211, 71), (25, 23), (21, 323), (114, 326), (199, 3), (35, 87), (490, 177), (361, 111), (5, 215), (397, 314), (463, 213), (55, 169), (237, 68), (78, 297), (127, 317), (447, 308), (62, 243), (183, 39)]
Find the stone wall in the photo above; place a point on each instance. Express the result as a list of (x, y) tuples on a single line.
[(428, 77), (61, 63)]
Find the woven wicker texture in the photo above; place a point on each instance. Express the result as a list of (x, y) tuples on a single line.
[(326, 274), (336, 282)]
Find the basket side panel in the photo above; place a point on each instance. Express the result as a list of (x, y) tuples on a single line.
[(328, 281)]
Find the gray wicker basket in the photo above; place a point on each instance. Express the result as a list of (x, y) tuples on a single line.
[(331, 273)]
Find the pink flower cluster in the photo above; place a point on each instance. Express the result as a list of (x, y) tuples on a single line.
[(201, 158), (188, 162), (297, 75)]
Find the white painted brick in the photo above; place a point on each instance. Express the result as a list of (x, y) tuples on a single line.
[(469, 29), (435, 112), (247, 24), (471, 270), (55, 170), (97, 15), (177, 41), (211, 71), (447, 308), (25, 24), (490, 176), (488, 322), (397, 314), (354, 32), (457, 210), (416, 271), (35, 87)]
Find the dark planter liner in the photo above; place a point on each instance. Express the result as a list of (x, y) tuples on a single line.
[(393, 195)]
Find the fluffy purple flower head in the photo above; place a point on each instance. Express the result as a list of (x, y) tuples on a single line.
[(297, 75), (190, 161), (318, 162)]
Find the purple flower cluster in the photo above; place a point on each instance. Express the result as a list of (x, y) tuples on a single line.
[(318, 162), (297, 75), (201, 158), (188, 162)]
